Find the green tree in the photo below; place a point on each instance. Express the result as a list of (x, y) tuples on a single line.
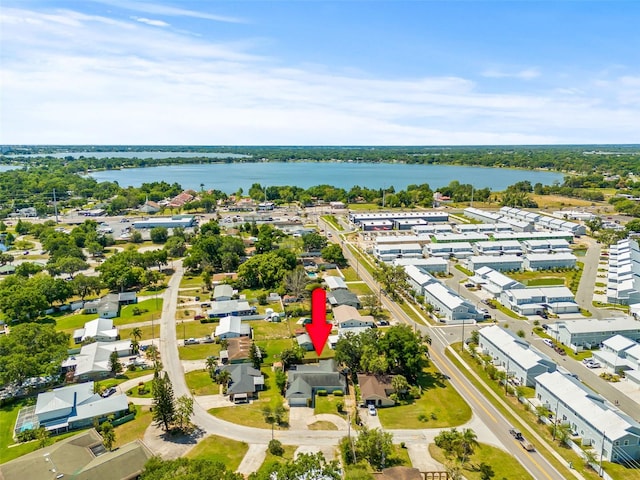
[(333, 254), (486, 471), (83, 285), (400, 385), (374, 446), (184, 412), (405, 350), (187, 469), (108, 435), (392, 278), (114, 363), (159, 234), (42, 435), (255, 356), (313, 242), (32, 349), (164, 408), (306, 466), (291, 356)]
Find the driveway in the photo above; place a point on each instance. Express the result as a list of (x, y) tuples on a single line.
[(300, 418)]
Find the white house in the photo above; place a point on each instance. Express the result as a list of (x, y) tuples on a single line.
[(545, 261), (222, 292), (100, 330), (235, 308), (347, 316), (521, 361), (532, 301), (231, 327), (619, 353), (623, 274), (607, 431), (93, 361), (335, 283), (505, 247), (446, 250), (431, 265), (76, 406), (503, 263), (591, 332), (494, 282), (450, 306)]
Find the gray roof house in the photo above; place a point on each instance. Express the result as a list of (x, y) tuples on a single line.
[(76, 406), (334, 282), (348, 316), (92, 362), (343, 297), (305, 380), (304, 341), (81, 457), (245, 382)]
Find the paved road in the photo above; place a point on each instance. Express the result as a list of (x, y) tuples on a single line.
[(584, 295)]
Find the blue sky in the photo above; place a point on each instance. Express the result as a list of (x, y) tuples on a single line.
[(319, 73)]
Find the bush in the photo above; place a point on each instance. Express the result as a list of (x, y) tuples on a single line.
[(262, 299), (415, 392), (276, 448), (26, 435), (423, 418), (322, 393), (338, 393), (339, 406)]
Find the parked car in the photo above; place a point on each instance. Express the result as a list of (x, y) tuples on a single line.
[(372, 410), (191, 341), (593, 365), (548, 342), (207, 339), (469, 285), (516, 433), (108, 392), (198, 317)]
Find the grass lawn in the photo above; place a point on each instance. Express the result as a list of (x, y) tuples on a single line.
[(328, 405), (326, 353), (406, 308), (263, 330), (504, 465), (400, 456), (360, 288), (230, 452), (126, 375), (146, 292), (190, 281), (125, 333), (538, 282), (349, 274), (322, 425), (198, 352), (200, 383), (9, 450), (251, 414), (577, 356), (271, 349), (289, 451), (130, 431), (468, 273), (331, 220), (127, 315), (440, 403), (621, 472), (73, 321), (147, 388), (194, 329)]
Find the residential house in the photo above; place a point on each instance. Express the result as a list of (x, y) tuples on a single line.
[(245, 383), (305, 380), (502, 263), (546, 261), (72, 407), (93, 361), (348, 316), (608, 431), (80, 457), (429, 265), (521, 362), (231, 327), (623, 273), (109, 305), (99, 330), (375, 389), (150, 207), (304, 342), (222, 292), (238, 350), (619, 353), (234, 308), (448, 249), (533, 301), (450, 306), (494, 282), (343, 297), (335, 283), (591, 332)]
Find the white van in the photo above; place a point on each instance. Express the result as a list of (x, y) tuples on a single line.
[(548, 342)]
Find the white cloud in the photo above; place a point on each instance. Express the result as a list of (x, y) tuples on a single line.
[(526, 74), (166, 10), (149, 21), (69, 77)]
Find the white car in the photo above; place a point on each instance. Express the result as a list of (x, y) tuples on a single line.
[(372, 410), (548, 342)]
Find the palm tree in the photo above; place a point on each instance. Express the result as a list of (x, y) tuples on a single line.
[(223, 377), (211, 365), (135, 347), (468, 444)]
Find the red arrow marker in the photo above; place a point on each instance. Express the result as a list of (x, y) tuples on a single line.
[(318, 329)]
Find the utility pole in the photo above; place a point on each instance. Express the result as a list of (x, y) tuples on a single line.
[(602, 453), (506, 378), (555, 419), (55, 205)]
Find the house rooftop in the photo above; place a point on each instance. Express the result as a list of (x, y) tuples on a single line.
[(593, 325)]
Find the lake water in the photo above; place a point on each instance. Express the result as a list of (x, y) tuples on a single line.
[(5, 168), (228, 177), (142, 155)]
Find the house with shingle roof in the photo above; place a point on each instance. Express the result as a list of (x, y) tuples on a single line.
[(305, 380), (375, 389)]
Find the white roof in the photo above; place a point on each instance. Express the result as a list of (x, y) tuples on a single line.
[(418, 275), (541, 257), (591, 325), (618, 343), (334, 282), (495, 259), (223, 290), (444, 295), (431, 261), (232, 325), (588, 405), (94, 358), (64, 397), (453, 237), (221, 307)]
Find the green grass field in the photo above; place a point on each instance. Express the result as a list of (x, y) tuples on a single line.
[(220, 449), (328, 405), (504, 465), (271, 349), (440, 403), (263, 330), (539, 282), (146, 332), (198, 352), (133, 430), (127, 313), (200, 383), (360, 288), (194, 329)]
